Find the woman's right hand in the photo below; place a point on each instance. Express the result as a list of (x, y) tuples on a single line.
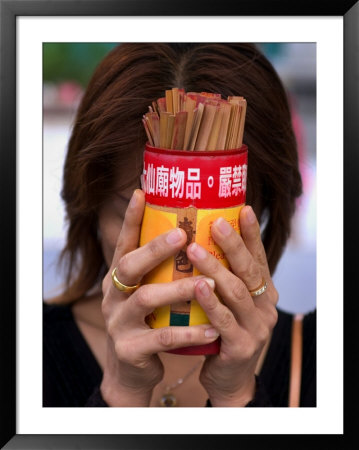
[(133, 367)]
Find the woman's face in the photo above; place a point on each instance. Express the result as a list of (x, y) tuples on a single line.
[(110, 221), (111, 218)]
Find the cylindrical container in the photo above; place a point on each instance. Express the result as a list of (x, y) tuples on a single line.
[(189, 190)]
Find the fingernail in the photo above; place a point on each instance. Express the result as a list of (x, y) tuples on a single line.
[(223, 226), (209, 281), (203, 287), (133, 200), (174, 237), (211, 332), (198, 251), (251, 217)]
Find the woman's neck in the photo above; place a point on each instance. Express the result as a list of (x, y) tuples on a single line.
[(88, 310)]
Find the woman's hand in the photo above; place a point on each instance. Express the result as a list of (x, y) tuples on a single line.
[(133, 368), (243, 322)]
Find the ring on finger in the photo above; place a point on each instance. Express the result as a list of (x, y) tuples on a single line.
[(120, 286), (260, 289)]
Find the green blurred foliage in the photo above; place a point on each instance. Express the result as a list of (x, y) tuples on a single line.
[(272, 50), (72, 61)]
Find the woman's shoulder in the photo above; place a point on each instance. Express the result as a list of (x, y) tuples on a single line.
[(87, 309), (309, 318), (58, 325), (53, 311), (283, 329), (276, 369), (282, 335), (70, 371), (56, 318)]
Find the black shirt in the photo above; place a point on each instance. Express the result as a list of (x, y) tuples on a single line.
[(72, 376)]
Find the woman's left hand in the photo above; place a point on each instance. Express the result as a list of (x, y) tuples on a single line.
[(244, 322)]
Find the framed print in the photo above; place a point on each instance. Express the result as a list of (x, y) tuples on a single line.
[(29, 30)]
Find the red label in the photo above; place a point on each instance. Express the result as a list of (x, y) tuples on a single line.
[(182, 179)]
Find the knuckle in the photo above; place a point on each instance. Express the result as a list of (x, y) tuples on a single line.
[(165, 337), (123, 266), (239, 290), (263, 335), (212, 264), (235, 353), (105, 307), (272, 318), (121, 349), (275, 295), (225, 320), (183, 289), (155, 249), (249, 350), (237, 244), (140, 363), (189, 336), (106, 283), (212, 304), (111, 327), (260, 254), (238, 352), (142, 297), (254, 272), (261, 258), (120, 245), (124, 352), (255, 232)]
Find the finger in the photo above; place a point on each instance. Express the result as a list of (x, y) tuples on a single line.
[(251, 235), (130, 232), (240, 259), (224, 321), (234, 337), (151, 296), (218, 314), (153, 341), (132, 266), (231, 289)]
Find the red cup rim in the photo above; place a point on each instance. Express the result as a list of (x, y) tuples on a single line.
[(167, 151)]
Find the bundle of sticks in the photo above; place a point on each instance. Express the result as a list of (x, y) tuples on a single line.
[(195, 121)]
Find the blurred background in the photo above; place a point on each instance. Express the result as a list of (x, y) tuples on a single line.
[(67, 68)]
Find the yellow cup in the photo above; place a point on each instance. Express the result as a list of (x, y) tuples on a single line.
[(190, 190)]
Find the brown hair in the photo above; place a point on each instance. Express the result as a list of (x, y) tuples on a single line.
[(108, 139)]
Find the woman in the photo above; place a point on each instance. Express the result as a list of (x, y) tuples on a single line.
[(98, 349)]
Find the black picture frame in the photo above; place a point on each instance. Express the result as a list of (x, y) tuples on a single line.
[(9, 10)]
